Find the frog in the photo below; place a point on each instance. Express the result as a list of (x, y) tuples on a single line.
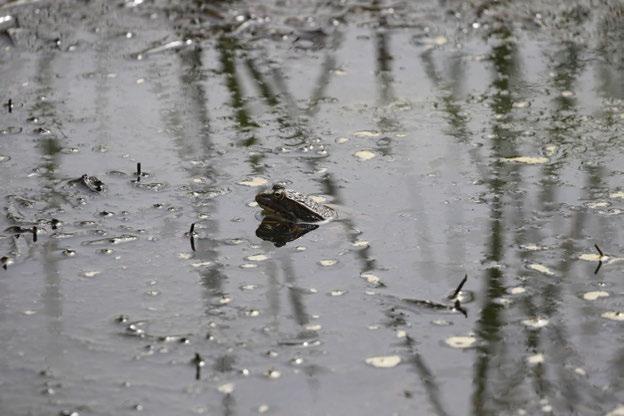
[(293, 206)]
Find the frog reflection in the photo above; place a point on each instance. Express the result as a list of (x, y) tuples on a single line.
[(280, 232)]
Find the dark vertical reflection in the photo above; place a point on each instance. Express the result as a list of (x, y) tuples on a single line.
[(50, 148), (427, 378), (610, 48), (228, 47), (503, 59), (383, 72), (188, 121), (294, 293)]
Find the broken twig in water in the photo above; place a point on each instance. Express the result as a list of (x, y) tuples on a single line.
[(34, 231), (192, 236), (457, 306), (599, 251), (199, 362), (459, 288), (138, 171), (598, 267), (9, 105)]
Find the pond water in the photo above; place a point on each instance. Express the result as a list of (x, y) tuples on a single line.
[(452, 138)]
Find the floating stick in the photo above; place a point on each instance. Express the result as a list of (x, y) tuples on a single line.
[(192, 236), (459, 288), (599, 251), (598, 267), (199, 363), (34, 231), (459, 308)]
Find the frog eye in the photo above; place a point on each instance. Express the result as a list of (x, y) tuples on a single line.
[(280, 193), (278, 187)]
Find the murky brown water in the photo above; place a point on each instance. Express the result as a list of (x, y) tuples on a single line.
[(453, 138)]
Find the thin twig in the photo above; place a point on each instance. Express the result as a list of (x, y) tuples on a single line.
[(599, 251), (192, 236), (598, 267), (459, 288)]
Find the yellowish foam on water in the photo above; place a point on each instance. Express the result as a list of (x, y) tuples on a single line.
[(516, 290), (541, 268), (617, 195), (387, 361), (535, 359), (531, 247), (371, 278), (226, 388), (365, 154), (460, 342), (614, 315), (257, 257), (593, 257), (618, 411), (440, 40), (254, 182), (527, 160), (595, 295), (328, 262), (535, 323), (366, 133), (318, 199)]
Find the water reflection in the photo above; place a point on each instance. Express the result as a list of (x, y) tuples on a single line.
[(280, 232), (506, 82)]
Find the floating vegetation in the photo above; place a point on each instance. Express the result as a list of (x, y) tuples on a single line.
[(125, 238), (535, 359), (367, 134), (516, 290), (227, 388), (257, 257), (597, 294), (461, 342), (592, 257), (254, 182), (618, 411), (535, 323), (272, 374), (527, 160), (614, 315), (388, 361), (372, 279), (365, 154), (541, 268)]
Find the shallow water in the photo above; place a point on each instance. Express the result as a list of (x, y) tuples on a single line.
[(453, 138)]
